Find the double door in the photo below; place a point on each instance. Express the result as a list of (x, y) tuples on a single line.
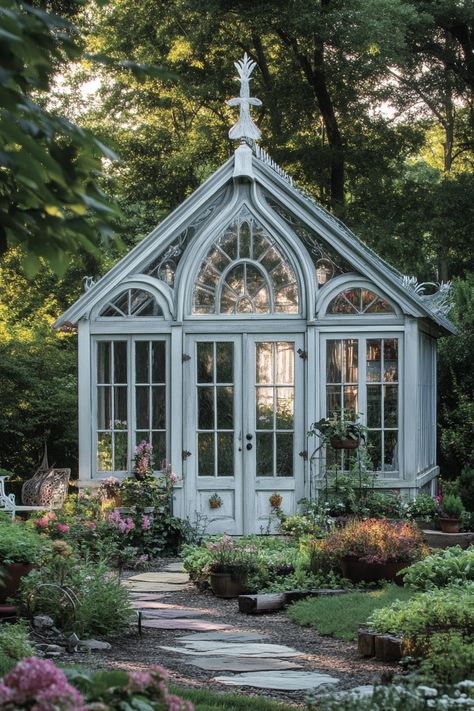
[(244, 429)]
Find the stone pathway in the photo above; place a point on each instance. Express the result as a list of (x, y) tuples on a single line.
[(217, 647)]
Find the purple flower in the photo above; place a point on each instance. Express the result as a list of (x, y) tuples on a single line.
[(146, 522), (39, 680), (139, 681)]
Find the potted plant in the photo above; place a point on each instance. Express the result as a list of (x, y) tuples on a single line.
[(228, 568), (375, 549), (110, 490), (215, 501), (342, 431), (275, 500), (452, 510), (20, 548), (423, 510)]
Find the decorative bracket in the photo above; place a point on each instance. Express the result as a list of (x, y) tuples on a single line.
[(185, 357), (302, 354)]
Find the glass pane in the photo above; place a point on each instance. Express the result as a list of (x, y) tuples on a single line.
[(264, 453), (244, 241), (104, 452), (225, 454), (340, 305), (254, 279), (379, 306), (244, 306), (209, 277), (350, 397), (141, 362), (158, 440), (390, 405), (374, 354), (120, 361), (333, 400), (104, 407), (158, 362), (218, 260), (351, 357), (235, 279), (282, 275), (204, 301), (264, 408), (228, 301), (271, 259), (228, 243), (205, 408), (264, 359), (286, 299), (225, 407), (285, 409), (390, 355), (141, 436), (158, 407), (333, 362), (285, 357), (121, 451), (374, 406), (206, 454), (120, 407), (284, 454), (103, 362), (374, 445), (367, 298), (138, 300), (261, 243), (225, 362), (391, 451), (142, 407), (261, 301), (121, 303), (205, 359)]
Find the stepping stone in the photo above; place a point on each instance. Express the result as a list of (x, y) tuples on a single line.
[(145, 605), (147, 596), (153, 587), (285, 680), (174, 578), (198, 625), (222, 637), (174, 567), (213, 649), (241, 664), (171, 614)]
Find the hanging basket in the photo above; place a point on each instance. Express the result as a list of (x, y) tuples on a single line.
[(348, 443)]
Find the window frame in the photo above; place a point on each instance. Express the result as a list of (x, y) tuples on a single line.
[(362, 337), (130, 339)]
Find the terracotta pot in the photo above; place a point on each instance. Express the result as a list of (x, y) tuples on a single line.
[(450, 525), (357, 571), (228, 584), (10, 581), (349, 443)]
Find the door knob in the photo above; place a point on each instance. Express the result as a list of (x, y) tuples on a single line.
[(249, 446), (249, 436)]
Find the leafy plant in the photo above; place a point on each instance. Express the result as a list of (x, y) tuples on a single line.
[(451, 566), (18, 543), (466, 487), (451, 506), (377, 541), (344, 425), (228, 557), (449, 660), (423, 506), (14, 645)]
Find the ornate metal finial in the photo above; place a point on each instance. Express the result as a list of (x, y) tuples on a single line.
[(245, 127)]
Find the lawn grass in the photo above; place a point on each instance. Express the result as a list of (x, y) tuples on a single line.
[(340, 615), (205, 700)]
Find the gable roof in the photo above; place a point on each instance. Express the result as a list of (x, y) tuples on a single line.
[(258, 166)]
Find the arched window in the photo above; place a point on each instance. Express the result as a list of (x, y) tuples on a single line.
[(245, 272), (132, 303), (358, 300)]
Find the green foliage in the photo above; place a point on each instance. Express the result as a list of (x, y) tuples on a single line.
[(423, 506), (451, 566), (102, 604), (452, 506), (340, 615), (206, 700), (441, 609), (466, 488), (450, 659), (18, 543), (14, 645)]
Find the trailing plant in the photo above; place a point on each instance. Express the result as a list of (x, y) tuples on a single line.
[(100, 604), (14, 645), (377, 541), (451, 506), (18, 543), (343, 425), (451, 566)]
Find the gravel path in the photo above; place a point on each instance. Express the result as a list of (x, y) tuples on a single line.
[(131, 651)]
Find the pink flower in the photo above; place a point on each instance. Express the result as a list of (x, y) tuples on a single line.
[(62, 527), (138, 681), (41, 523), (91, 525), (146, 522), (143, 558), (40, 681), (5, 693), (172, 477)]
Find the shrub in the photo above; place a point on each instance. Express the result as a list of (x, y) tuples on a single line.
[(449, 660), (377, 541), (466, 486), (101, 602), (39, 684), (14, 645), (451, 506), (416, 620), (424, 507), (18, 543), (446, 567)]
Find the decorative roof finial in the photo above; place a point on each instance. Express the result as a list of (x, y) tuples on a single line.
[(245, 127)]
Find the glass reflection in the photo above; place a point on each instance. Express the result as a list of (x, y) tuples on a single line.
[(264, 453)]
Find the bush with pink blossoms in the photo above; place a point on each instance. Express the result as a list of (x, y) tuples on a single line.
[(38, 685)]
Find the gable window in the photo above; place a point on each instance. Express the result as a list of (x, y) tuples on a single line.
[(358, 300), (245, 272), (362, 374), (132, 303)]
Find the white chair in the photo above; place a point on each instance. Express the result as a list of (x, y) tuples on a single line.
[(7, 501)]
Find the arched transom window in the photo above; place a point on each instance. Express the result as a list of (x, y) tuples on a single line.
[(245, 272), (358, 300), (132, 303)]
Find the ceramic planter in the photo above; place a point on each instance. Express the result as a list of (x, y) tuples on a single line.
[(13, 573), (349, 443), (450, 525), (357, 571), (228, 585)]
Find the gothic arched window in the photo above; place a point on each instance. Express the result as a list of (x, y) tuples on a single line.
[(245, 272), (132, 303)]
